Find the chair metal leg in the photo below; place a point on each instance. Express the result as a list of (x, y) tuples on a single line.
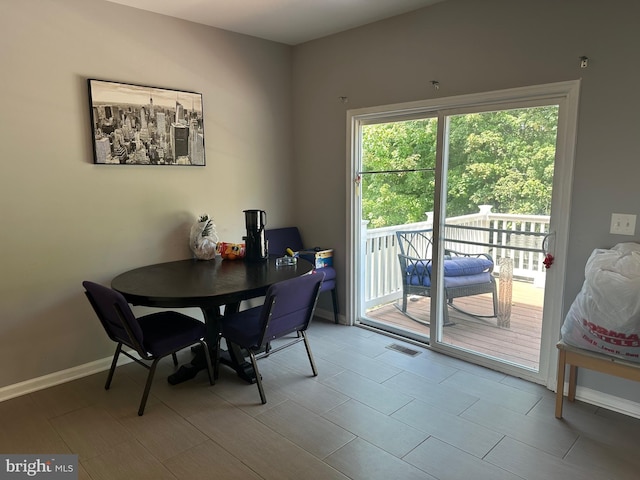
[(309, 354), (263, 398), (114, 363), (205, 347), (216, 360), (445, 315), (334, 297), (147, 387)]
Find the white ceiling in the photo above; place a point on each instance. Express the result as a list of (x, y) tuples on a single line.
[(286, 21)]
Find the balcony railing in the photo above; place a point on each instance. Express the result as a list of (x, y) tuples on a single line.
[(520, 237)]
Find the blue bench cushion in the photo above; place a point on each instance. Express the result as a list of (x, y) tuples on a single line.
[(455, 267), (449, 282), (457, 272)]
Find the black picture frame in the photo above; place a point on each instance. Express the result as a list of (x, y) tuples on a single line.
[(142, 125)]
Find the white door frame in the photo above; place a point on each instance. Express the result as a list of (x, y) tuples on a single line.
[(567, 96)]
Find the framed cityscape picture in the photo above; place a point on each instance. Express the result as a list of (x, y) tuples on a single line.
[(138, 125)]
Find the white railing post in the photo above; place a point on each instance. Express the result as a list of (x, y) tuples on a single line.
[(429, 219), (485, 211)]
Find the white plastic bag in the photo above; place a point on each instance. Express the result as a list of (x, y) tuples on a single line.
[(203, 238), (605, 316)]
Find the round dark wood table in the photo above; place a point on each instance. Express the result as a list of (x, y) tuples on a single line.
[(208, 285)]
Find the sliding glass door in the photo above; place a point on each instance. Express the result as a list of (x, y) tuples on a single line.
[(497, 185), (453, 214), (397, 182)]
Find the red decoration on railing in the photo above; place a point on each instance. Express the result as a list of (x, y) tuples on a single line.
[(548, 260)]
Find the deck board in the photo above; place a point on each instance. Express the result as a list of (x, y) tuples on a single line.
[(520, 343)]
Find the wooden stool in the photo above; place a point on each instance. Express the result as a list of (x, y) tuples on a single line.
[(578, 357)]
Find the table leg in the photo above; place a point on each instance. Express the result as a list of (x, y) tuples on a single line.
[(233, 357), (198, 362)]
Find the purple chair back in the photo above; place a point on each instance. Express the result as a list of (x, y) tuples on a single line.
[(289, 237), (115, 315), (289, 306)]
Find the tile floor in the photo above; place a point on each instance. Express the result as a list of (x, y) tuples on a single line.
[(372, 413)]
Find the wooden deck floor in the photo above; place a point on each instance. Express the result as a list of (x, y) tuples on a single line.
[(519, 343)]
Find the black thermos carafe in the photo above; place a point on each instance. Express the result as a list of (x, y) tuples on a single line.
[(256, 240)]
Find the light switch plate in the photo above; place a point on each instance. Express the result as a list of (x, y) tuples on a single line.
[(623, 224)]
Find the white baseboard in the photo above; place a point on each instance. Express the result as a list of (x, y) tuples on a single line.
[(57, 378), (327, 314), (604, 400), (97, 366)]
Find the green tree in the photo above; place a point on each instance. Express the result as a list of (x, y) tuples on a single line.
[(403, 197), (503, 158)]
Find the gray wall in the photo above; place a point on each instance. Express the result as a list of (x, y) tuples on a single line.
[(471, 46), (64, 219)]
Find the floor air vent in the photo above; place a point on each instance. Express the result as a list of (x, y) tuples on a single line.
[(401, 349)]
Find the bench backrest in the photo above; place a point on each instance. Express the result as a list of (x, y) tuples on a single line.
[(279, 239)]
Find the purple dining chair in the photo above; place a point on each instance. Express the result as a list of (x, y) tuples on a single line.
[(152, 336), (279, 239), (288, 309)]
